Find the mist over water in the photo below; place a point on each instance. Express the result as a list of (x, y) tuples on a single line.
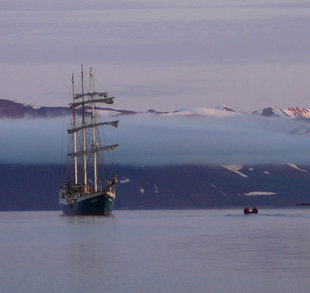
[(197, 251), (146, 139)]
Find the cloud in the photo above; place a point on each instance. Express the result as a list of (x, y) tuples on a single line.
[(213, 140), (166, 140), (166, 32)]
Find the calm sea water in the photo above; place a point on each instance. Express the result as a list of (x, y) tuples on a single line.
[(156, 251)]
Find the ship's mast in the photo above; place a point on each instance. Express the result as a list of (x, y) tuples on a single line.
[(94, 144), (84, 129), (74, 134)]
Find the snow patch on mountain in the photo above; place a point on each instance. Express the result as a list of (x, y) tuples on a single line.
[(254, 193), (213, 185), (222, 193), (235, 168), (224, 108), (291, 112), (124, 180), (296, 167), (297, 112), (201, 111)]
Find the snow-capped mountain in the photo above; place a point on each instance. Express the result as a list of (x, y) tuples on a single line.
[(201, 111), (292, 112), (272, 112), (15, 110), (296, 112), (225, 108)]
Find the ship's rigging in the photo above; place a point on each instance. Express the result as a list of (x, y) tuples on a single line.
[(86, 156)]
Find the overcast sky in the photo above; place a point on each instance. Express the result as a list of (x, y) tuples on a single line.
[(158, 54)]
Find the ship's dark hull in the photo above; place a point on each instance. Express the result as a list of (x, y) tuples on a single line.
[(98, 203)]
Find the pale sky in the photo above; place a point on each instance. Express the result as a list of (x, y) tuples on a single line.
[(158, 54)]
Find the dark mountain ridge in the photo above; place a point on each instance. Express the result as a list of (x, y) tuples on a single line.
[(25, 187), (15, 110)]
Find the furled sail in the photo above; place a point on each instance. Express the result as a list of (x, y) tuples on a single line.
[(109, 100), (99, 94), (76, 129), (93, 150)]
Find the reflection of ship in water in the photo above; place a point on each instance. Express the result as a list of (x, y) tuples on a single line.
[(81, 195)]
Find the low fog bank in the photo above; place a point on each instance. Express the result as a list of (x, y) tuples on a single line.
[(166, 140)]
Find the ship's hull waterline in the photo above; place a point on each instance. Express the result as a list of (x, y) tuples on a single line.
[(99, 203)]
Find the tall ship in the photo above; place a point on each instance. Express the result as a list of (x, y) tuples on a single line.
[(87, 190)]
